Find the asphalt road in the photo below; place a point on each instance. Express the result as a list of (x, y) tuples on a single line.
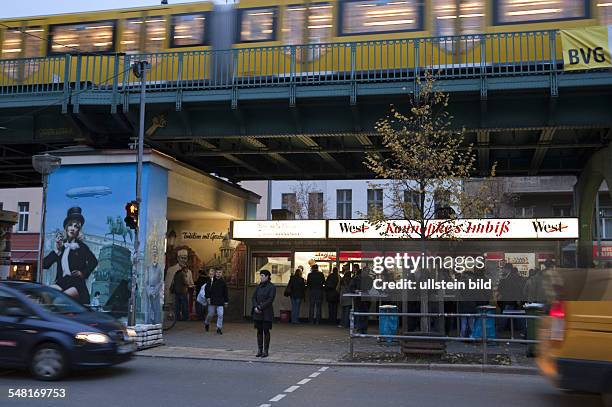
[(188, 382)]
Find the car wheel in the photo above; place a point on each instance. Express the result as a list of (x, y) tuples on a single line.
[(48, 362)]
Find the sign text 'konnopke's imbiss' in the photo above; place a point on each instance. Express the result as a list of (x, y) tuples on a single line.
[(546, 228)]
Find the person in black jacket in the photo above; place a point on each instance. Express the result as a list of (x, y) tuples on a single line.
[(217, 295), (75, 261), (362, 282), (315, 283), (332, 296), (297, 293), (263, 312)]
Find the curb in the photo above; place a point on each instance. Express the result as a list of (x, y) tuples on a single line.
[(437, 367)]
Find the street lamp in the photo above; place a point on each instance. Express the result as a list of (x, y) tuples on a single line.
[(44, 164)]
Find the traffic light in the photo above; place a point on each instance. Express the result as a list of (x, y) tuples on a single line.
[(131, 215)]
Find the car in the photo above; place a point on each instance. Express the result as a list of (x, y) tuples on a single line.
[(46, 331), (575, 339)]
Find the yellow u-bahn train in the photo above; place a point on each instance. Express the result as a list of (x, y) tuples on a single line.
[(382, 29)]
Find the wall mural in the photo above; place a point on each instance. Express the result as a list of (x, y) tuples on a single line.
[(88, 248)]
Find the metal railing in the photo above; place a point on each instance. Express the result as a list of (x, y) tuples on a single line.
[(453, 57), (481, 317)]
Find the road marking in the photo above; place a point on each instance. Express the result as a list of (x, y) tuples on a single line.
[(265, 405), (278, 397), (291, 389), (304, 381), (315, 374), (323, 369)]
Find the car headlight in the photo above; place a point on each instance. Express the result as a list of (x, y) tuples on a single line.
[(130, 332), (92, 337)]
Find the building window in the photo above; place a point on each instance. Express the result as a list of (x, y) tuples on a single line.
[(315, 205), (469, 20), (85, 37), (365, 17), (188, 30), (288, 202), (319, 24), (24, 216), (344, 203), (375, 202), (524, 11), (606, 223), (604, 9), (257, 24), (412, 205), (524, 212), (562, 211)]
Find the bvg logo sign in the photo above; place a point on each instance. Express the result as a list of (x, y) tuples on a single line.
[(586, 55), (586, 48)]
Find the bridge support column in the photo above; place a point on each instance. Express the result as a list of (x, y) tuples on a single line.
[(597, 170)]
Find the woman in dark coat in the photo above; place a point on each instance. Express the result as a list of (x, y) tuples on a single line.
[(263, 313), (75, 261), (297, 292)]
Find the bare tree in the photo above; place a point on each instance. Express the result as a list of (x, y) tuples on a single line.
[(310, 202), (427, 165)]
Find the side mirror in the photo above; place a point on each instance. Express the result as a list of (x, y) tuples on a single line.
[(17, 312)]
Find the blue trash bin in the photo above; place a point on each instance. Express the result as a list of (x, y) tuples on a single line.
[(387, 324), (490, 323)]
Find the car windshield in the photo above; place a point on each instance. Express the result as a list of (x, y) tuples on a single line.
[(54, 301)]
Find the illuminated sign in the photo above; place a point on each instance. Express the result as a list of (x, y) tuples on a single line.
[(549, 228), (278, 229)]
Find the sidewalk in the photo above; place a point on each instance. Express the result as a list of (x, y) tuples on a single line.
[(315, 344)]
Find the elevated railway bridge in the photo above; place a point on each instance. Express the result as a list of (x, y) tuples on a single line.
[(308, 112)]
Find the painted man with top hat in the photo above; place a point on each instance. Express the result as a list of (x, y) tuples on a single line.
[(75, 261)]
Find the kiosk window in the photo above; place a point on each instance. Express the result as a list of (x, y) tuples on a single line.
[(279, 265)]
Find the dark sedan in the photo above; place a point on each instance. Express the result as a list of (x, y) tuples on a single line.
[(48, 332)]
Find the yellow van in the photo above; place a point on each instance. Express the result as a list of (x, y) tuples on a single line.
[(575, 349)]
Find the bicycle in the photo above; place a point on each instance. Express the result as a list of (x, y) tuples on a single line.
[(169, 319)]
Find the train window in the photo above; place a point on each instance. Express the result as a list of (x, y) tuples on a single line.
[(130, 41), (523, 11), (604, 9), (85, 37), (469, 20), (319, 24), (188, 30), (155, 33), (257, 24), (365, 17), (22, 43)]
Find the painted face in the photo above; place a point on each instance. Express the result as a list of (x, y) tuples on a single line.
[(73, 229), (211, 273), (182, 260), (263, 278), (218, 273)]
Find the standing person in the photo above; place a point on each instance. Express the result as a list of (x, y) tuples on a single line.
[(263, 312), (75, 261), (362, 282), (179, 287), (217, 295), (345, 302), (297, 293), (199, 283), (331, 295), (315, 283), (182, 257)]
